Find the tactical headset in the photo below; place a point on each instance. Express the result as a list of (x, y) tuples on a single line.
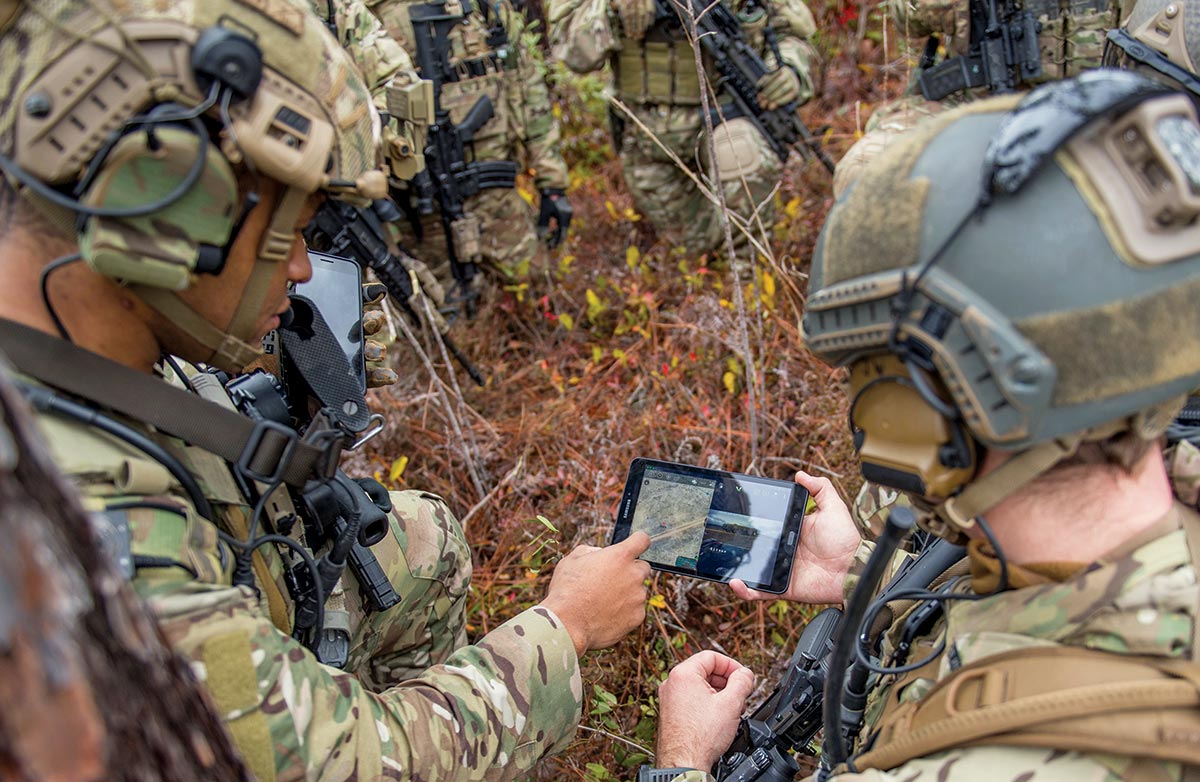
[(907, 433), (158, 201)]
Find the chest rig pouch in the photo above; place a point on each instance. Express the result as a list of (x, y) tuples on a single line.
[(661, 68), (481, 60)]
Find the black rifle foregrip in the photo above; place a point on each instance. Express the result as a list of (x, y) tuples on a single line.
[(376, 587), (951, 76)]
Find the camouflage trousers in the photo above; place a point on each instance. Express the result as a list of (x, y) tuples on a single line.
[(508, 236), (743, 163)]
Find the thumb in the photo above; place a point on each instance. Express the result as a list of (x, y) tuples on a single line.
[(738, 687), (635, 544)]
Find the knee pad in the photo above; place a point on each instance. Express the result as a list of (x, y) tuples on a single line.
[(739, 150)]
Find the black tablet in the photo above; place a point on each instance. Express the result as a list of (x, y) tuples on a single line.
[(713, 524)]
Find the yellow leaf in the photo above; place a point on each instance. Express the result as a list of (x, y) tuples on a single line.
[(564, 264), (792, 209), (612, 210), (398, 468), (631, 215), (597, 354), (595, 307), (730, 381), (631, 256), (619, 355), (526, 195), (567, 321), (658, 601), (768, 283)]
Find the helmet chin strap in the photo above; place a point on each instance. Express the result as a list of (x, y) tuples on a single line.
[(237, 346), (957, 514)]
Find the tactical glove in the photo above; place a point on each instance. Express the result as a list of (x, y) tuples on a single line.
[(373, 322), (556, 208), (779, 87), (636, 16)]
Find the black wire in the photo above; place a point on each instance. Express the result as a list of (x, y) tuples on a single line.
[(941, 596), (43, 283), (174, 365), (247, 550), (58, 199), (45, 399)]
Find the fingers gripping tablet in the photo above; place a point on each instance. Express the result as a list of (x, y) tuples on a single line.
[(713, 524)]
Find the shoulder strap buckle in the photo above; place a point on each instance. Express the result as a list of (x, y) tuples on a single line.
[(270, 447)]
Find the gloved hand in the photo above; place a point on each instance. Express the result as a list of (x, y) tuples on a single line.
[(636, 16), (556, 208), (374, 350), (778, 87)]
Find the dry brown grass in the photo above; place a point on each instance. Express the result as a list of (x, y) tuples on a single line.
[(566, 409)]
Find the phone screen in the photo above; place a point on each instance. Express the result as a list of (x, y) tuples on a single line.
[(713, 524), (336, 290)]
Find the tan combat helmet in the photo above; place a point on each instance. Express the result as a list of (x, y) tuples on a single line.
[(131, 122), (1160, 39), (1017, 277)]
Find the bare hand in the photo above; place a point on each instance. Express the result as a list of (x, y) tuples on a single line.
[(698, 710), (600, 593), (824, 553)]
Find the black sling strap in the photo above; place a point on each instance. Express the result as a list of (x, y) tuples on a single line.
[(263, 451)]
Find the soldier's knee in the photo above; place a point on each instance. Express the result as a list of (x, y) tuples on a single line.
[(432, 540), (740, 152)]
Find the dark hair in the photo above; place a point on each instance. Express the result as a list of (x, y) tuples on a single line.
[(17, 213)]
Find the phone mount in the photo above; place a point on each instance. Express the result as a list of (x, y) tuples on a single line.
[(316, 367)]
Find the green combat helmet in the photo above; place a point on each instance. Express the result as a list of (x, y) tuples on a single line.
[(133, 123), (1027, 284)]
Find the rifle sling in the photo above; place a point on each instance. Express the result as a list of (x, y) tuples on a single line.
[(1055, 697), (264, 451)]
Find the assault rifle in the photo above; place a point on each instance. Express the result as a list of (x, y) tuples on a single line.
[(448, 177), (739, 68), (1003, 52), (788, 721), (342, 229)]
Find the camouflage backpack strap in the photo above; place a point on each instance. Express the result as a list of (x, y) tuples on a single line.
[(264, 449), (1056, 697)]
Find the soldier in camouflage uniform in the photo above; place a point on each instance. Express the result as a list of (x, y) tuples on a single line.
[(245, 114), (509, 69), (655, 77), (1071, 40), (384, 65), (1025, 418)]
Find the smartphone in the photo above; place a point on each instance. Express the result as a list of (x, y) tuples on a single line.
[(336, 291), (713, 524)]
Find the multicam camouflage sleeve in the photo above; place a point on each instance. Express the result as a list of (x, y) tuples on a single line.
[(487, 713), (382, 61), (922, 18), (530, 104), (582, 34), (794, 25)]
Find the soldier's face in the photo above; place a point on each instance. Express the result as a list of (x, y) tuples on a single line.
[(216, 297)]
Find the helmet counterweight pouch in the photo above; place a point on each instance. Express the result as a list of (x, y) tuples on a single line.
[(164, 248)]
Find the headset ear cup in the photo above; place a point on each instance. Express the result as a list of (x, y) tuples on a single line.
[(165, 248), (902, 441)]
